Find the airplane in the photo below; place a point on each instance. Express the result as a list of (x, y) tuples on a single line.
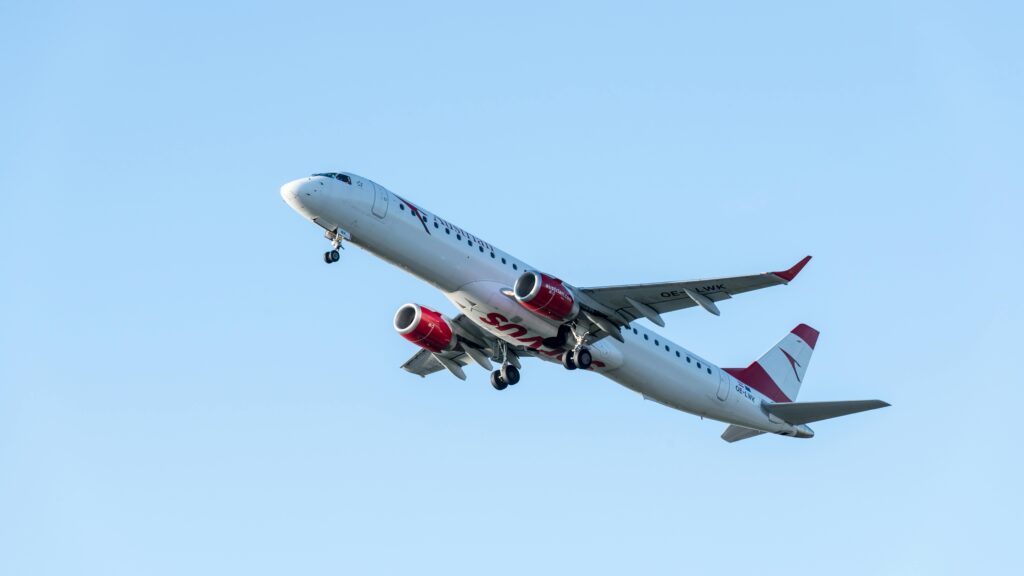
[(510, 312)]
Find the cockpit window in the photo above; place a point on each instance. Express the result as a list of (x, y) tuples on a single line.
[(343, 177)]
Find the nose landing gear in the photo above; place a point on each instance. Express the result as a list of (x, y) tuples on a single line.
[(332, 256)]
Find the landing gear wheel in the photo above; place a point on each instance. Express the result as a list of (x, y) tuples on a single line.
[(497, 381), (327, 257), (509, 374), (568, 362), (332, 256), (582, 358)]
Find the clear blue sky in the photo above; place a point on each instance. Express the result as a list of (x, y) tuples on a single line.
[(185, 388)]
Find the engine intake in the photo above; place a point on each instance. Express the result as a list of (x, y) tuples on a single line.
[(425, 328), (546, 296)]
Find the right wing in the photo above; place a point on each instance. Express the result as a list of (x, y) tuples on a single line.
[(633, 301)]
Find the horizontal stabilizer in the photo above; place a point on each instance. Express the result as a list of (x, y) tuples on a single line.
[(736, 433), (806, 412)]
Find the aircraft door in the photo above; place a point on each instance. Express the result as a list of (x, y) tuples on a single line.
[(723, 385), (380, 201)]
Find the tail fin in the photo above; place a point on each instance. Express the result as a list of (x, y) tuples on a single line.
[(779, 373)]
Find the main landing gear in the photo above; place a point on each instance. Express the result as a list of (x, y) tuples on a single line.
[(580, 357), (508, 375), (332, 256)]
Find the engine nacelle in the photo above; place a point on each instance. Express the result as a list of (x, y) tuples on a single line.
[(546, 296), (425, 328)]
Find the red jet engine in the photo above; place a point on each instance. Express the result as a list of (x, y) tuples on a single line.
[(425, 328), (546, 296)]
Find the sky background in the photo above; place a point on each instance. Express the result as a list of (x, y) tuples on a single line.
[(185, 387)]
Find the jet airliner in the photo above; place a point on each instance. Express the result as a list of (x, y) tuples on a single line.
[(510, 312)]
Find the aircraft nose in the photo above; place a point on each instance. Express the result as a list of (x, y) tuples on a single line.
[(290, 191), (298, 194)]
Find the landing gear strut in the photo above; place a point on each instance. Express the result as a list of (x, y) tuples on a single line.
[(332, 256), (579, 356)]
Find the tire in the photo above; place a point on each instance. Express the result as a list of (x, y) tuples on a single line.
[(583, 358), (510, 374), (327, 257), (568, 362), (335, 255), (497, 382)]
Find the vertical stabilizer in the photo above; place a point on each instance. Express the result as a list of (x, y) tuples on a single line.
[(780, 372)]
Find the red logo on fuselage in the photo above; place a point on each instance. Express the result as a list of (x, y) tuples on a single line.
[(419, 214), (522, 334)]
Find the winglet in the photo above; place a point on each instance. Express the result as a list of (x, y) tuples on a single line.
[(788, 275)]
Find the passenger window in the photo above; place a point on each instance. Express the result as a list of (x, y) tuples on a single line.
[(482, 251), (436, 225), (470, 242), (645, 337), (492, 254), (448, 231), (666, 347), (634, 331), (401, 206), (458, 236), (698, 365), (677, 353), (514, 267), (503, 261), (709, 370), (687, 359), (656, 343)]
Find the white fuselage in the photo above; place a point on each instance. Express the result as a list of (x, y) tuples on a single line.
[(477, 277)]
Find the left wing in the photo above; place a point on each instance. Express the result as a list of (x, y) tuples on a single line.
[(634, 301), (475, 346), (423, 363)]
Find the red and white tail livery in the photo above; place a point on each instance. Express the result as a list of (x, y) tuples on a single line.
[(779, 373), (508, 312)]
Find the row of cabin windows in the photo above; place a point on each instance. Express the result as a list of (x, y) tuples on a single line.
[(678, 355), (458, 236)]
